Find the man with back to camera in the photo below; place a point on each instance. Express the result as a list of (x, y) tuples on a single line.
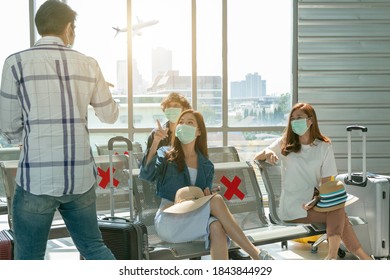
[(44, 98)]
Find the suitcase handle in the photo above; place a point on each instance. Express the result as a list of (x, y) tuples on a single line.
[(364, 164), (357, 127), (119, 139), (113, 218), (110, 147)]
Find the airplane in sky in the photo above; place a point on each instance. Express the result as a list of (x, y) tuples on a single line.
[(136, 27)]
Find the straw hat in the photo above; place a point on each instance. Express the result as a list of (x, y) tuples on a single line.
[(333, 196), (188, 199)]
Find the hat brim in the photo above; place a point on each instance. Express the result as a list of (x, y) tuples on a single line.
[(188, 205), (350, 199)]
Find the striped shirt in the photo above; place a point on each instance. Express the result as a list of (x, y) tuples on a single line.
[(44, 99)]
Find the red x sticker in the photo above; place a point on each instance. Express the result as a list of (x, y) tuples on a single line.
[(232, 188), (121, 163), (106, 177), (126, 153)]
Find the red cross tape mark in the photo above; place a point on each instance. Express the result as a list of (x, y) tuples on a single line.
[(106, 177), (120, 164), (126, 153), (232, 188)]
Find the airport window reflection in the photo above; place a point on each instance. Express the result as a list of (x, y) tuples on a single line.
[(209, 60), (96, 36), (259, 62), (18, 33), (248, 143), (15, 36), (161, 55)]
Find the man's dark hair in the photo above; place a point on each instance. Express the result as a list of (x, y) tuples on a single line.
[(53, 16)]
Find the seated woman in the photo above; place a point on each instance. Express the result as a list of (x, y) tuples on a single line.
[(185, 164), (307, 162)]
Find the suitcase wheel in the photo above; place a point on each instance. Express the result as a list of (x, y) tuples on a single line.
[(341, 253)]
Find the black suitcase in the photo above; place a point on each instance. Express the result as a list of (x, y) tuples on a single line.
[(126, 238), (6, 245), (373, 191)]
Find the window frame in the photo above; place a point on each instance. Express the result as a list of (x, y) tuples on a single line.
[(130, 130)]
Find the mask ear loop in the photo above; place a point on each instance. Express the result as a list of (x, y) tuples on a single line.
[(68, 45)]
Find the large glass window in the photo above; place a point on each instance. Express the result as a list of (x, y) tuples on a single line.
[(209, 60), (161, 56), (18, 33), (171, 40), (96, 36), (259, 62)]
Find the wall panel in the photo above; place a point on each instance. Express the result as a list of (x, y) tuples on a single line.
[(343, 70)]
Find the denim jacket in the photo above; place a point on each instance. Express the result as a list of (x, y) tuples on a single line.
[(168, 179)]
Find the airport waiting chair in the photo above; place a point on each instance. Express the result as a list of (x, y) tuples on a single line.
[(8, 183), (247, 210), (8, 170), (58, 230), (9, 159), (9, 153), (223, 154), (146, 191), (271, 175)]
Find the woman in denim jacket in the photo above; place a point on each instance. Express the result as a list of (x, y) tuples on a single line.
[(186, 163)]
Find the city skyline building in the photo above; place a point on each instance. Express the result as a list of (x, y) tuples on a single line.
[(161, 61), (252, 87)]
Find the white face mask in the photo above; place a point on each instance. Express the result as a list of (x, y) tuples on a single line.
[(172, 114), (185, 133), (299, 126)]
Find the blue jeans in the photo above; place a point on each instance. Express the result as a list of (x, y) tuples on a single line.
[(33, 216)]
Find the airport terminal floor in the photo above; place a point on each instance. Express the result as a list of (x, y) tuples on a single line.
[(64, 249)]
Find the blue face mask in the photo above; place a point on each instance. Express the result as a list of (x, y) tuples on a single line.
[(172, 114), (299, 126), (185, 133)]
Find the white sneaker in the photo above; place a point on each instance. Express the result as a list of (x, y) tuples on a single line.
[(264, 255)]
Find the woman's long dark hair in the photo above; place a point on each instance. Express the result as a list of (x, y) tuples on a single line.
[(290, 140), (176, 153)]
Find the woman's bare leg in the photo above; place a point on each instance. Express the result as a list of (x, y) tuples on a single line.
[(362, 255), (334, 245), (218, 242), (222, 213)]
